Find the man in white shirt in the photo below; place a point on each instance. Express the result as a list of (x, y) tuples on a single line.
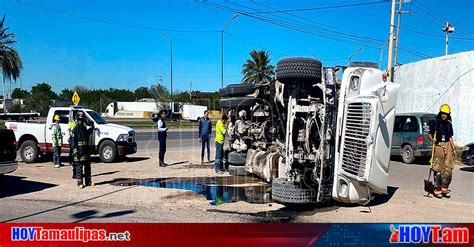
[(162, 135)]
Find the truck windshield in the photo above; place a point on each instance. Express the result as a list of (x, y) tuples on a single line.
[(97, 118)]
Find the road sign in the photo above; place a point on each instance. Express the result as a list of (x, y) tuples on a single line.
[(75, 98)]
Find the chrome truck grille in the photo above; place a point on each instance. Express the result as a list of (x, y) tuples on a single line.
[(354, 156)]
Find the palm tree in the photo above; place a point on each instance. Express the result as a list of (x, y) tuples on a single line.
[(10, 61), (257, 69)]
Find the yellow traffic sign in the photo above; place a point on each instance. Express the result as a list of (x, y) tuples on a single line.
[(75, 98)]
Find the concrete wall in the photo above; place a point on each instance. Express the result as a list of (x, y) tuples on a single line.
[(427, 84)]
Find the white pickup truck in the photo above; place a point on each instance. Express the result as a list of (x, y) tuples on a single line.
[(110, 141)]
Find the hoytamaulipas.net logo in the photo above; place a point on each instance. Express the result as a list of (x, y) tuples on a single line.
[(429, 234), (72, 234)]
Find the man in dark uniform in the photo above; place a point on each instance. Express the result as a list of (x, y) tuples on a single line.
[(441, 134), (162, 135), (81, 151)]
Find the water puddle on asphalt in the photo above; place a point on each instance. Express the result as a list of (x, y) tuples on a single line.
[(217, 190)]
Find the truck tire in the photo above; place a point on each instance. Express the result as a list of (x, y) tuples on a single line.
[(237, 159), (238, 102), (233, 90), (108, 151), (298, 69), (364, 64), (408, 155), (288, 192), (237, 170), (29, 151)]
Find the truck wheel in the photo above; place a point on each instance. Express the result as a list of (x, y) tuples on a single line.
[(298, 69), (237, 170), (237, 159), (288, 192), (238, 102), (408, 155), (29, 151), (108, 151), (233, 90)]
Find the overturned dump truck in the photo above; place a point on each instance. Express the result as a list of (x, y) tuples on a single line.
[(313, 136)]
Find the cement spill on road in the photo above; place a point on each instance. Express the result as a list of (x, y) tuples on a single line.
[(217, 190)]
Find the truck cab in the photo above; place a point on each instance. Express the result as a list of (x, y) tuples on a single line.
[(109, 141), (314, 136)]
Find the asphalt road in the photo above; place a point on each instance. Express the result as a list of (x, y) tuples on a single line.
[(40, 193)]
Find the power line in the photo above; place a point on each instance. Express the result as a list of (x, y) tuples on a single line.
[(252, 44), (116, 23), (436, 15), (304, 29), (320, 8), (436, 19), (434, 35)]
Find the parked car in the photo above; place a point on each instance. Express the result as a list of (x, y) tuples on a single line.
[(7, 152), (410, 136), (467, 155), (109, 141)]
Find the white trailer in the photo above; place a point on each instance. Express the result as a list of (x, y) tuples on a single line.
[(193, 112), (131, 109)]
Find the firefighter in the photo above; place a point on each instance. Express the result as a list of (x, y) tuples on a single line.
[(71, 126), (441, 134), (81, 151)]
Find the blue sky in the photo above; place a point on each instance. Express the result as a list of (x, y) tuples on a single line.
[(66, 51)]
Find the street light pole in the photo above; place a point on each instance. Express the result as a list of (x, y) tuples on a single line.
[(447, 30), (171, 74), (222, 47), (390, 43)]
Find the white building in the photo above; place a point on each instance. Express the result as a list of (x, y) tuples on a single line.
[(427, 84)]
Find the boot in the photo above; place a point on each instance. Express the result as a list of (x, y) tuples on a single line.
[(80, 185), (446, 193), (162, 164), (438, 194)]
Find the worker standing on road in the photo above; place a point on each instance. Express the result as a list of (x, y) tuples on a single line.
[(71, 126), (57, 138), (441, 134), (205, 130), (81, 151), (221, 129), (162, 135)]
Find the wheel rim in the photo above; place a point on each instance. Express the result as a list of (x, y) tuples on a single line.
[(28, 153), (407, 154), (107, 153)]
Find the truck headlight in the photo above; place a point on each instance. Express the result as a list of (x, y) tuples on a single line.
[(122, 138), (354, 85)]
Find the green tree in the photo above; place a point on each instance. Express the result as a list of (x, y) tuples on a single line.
[(44, 88), (66, 94), (142, 92), (19, 93), (257, 68), (10, 60), (160, 93)]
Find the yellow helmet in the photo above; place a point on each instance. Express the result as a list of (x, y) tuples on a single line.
[(56, 118), (445, 109)]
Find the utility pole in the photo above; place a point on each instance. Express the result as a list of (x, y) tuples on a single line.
[(390, 43), (447, 30), (190, 91), (222, 47), (400, 12)]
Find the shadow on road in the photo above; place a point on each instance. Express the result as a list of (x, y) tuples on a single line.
[(67, 205), (381, 199), (104, 173), (94, 214), (14, 185), (467, 169), (126, 159), (418, 160)]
